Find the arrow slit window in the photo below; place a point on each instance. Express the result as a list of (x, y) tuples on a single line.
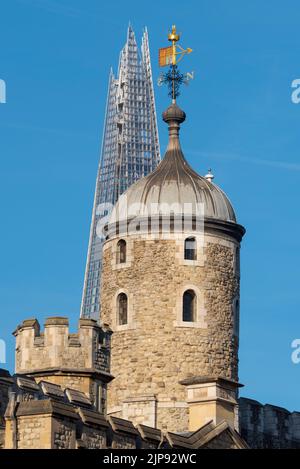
[(121, 252), (189, 306), (122, 304)]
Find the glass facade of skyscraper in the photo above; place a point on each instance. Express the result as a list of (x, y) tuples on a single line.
[(130, 150)]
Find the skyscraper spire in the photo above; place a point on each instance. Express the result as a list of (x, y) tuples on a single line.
[(130, 150)]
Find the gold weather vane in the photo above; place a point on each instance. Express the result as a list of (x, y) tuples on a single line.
[(170, 56)]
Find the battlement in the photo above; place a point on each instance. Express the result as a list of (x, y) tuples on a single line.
[(56, 349), (268, 426)]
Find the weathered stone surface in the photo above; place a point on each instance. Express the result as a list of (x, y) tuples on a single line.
[(60, 423), (155, 350), (34, 432), (56, 348), (64, 434), (77, 361), (6, 383), (93, 438), (268, 426)]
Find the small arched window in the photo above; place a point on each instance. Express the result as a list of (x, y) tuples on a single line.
[(189, 306), (121, 252), (190, 249), (122, 306)]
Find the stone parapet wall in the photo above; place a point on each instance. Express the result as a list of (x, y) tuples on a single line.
[(57, 348), (34, 431), (268, 426), (44, 416), (6, 384)]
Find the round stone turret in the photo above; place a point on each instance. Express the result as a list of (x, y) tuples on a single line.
[(170, 293)]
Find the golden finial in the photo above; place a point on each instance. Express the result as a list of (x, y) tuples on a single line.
[(173, 54), (173, 36)]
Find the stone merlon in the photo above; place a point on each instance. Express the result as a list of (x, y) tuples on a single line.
[(56, 349)]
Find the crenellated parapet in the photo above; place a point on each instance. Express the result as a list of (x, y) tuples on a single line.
[(80, 360), (268, 426), (56, 347)]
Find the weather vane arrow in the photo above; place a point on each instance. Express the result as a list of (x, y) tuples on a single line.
[(170, 56)]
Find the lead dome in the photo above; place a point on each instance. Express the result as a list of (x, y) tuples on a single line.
[(173, 185)]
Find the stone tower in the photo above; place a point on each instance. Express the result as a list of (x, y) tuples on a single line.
[(170, 293)]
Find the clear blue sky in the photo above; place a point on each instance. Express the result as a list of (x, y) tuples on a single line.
[(55, 58)]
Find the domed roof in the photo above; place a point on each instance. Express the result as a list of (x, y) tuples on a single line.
[(173, 187)]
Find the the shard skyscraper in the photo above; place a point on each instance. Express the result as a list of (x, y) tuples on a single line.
[(130, 150)]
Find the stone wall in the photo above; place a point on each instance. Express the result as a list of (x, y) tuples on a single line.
[(267, 426), (81, 383), (93, 438), (68, 380), (64, 433), (123, 442), (6, 383), (178, 416), (79, 361), (44, 416), (156, 349), (57, 348), (34, 432)]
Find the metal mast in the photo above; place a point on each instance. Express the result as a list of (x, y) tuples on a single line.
[(130, 150)]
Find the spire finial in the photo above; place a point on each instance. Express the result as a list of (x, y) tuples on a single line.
[(209, 176)]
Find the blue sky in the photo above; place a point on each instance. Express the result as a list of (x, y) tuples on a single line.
[(55, 58)]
